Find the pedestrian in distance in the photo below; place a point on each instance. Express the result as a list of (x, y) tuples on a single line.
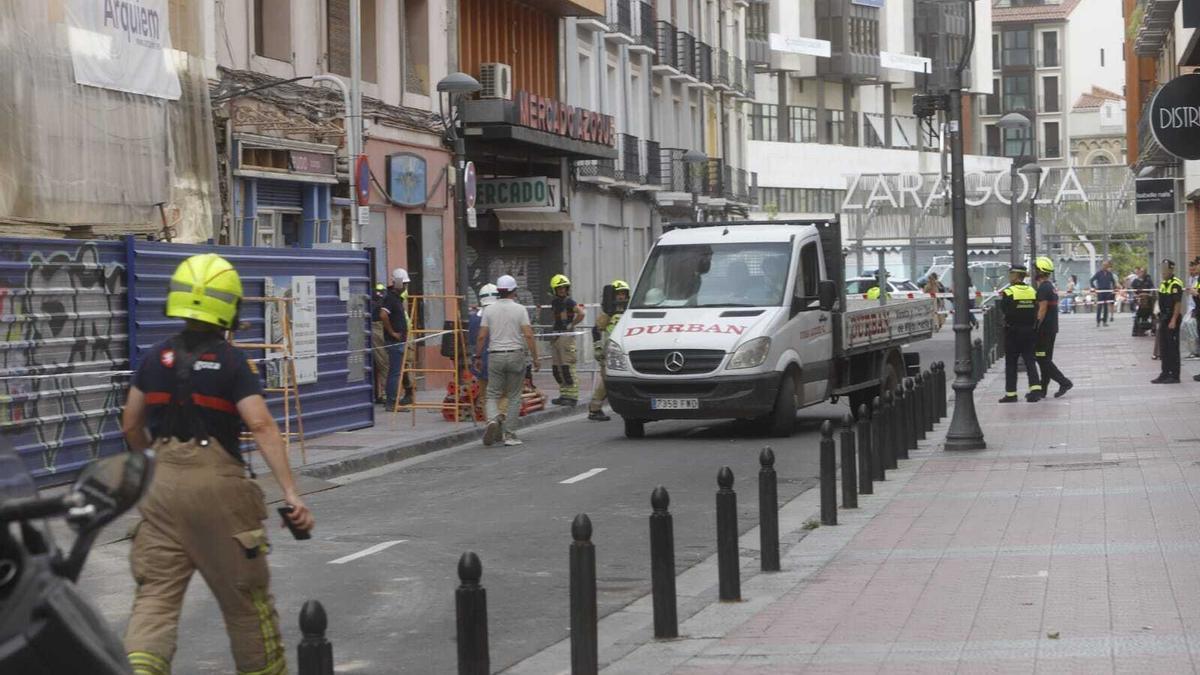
[(1170, 316), (606, 322), (395, 328), (1047, 328), (1103, 284), (1193, 291), (1018, 303), (1068, 300), (487, 295), (202, 513), (507, 335), (563, 356), (379, 355)]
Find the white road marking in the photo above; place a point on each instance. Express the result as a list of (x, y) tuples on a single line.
[(366, 552), (583, 476), (1042, 574)]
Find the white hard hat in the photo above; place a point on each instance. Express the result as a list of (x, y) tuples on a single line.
[(506, 283), (488, 294), (400, 275)]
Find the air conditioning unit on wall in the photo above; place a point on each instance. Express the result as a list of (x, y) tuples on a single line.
[(496, 79)]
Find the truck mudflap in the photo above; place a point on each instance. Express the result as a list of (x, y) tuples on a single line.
[(714, 398)]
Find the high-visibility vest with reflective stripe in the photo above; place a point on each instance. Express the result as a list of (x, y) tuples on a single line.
[(1022, 304)]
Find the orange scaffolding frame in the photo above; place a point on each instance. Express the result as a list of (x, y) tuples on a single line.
[(415, 335)]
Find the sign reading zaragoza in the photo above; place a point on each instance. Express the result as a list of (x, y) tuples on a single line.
[(913, 190)]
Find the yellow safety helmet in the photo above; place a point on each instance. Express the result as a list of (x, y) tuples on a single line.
[(619, 285), (1045, 264), (205, 288), (558, 281)]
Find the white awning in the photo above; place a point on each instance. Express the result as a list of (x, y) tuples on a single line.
[(533, 221)]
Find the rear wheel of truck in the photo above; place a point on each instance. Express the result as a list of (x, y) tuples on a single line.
[(889, 377), (635, 429), (782, 419)]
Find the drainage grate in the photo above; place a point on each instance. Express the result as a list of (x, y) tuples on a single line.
[(1078, 466)]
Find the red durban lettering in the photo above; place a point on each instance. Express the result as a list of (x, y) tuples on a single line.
[(635, 330), (675, 328), (695, 327), (735, 330)]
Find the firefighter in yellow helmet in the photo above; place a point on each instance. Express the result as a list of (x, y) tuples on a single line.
[(1018, 303), (1047, 328), (188, 401), (606, 322), (567, 315)]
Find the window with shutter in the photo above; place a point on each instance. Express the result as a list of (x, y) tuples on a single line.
[(338, 38)]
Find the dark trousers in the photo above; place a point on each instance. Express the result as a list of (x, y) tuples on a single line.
[(1103, 303), (1168, 347), (1019, 342), (1045, 360)]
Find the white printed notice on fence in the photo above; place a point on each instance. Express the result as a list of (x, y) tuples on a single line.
[(123, 45), (800, 45), (913, 64), (304, 328)]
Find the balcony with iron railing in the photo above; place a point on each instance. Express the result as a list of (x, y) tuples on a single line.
[(685, 46), (718, 183), (704, 62), (1157, 22), (620, 20), (1149, 150), (665, 52), (652, 164), (629, 160), (721, 74), (644, 27), (596, 170), (748, 84)]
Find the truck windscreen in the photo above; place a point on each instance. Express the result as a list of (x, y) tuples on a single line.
[(715, 275)]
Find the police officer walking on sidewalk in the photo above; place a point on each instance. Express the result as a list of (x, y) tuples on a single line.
[(1170, 316), (192, 394), (567, 315), (505, 331), (606, 321), (1047, 328), (1018, 302)]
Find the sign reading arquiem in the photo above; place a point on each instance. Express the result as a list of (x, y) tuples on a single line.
[(549, 115), (1175, 116)]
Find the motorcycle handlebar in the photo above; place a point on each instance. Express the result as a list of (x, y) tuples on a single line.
[(33, 508)]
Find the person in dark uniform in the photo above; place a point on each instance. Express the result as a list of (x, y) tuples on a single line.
[(1170, 316), (188, 402), (1047, 329), (1018, 303)]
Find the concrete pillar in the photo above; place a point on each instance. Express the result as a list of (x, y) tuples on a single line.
[(887, 114), (785, 128), (849, 128), (822, 113)]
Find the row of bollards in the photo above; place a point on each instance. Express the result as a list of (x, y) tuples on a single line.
[(872, 442)]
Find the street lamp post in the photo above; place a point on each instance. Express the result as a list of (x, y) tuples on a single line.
[(694, 159), (965, 432), (1035, 170), (1013, 120), (456, 86)]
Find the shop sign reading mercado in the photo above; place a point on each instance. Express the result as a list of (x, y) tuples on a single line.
[(549, 115)]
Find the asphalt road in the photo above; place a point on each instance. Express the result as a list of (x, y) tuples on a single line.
[(392, 611)]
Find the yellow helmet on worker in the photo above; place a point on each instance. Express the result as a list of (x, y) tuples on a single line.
[(558, 281), (1045, 264), (619, 285), (205, 288)]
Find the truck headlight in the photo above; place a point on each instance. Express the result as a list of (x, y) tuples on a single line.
[(614, 358), (751, 354)]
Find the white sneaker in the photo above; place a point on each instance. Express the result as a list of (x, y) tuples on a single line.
[(493, 431), (512, 441)]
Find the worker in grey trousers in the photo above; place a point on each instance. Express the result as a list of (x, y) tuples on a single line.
[(507, 335)]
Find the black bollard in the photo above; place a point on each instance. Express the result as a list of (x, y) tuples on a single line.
[(584, 642), (977, 357), (314, 654), (931, 417), (910, 397), (866, 464), (890, 432), (877, 451), (662, 565), (728, 572), (828, 476), (940, 395), (849, 464), (903, 422), (470, 603), (919, 407), (768, 511)]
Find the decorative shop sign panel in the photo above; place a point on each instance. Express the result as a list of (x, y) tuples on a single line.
[(546, 114)]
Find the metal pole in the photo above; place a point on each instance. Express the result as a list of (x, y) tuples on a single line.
[(584, 640), (828, 476), (866, 463), (965, 432), (849, 469), (354, 133), (1014, 228), (460, 220), (728, 572), (662, 565)]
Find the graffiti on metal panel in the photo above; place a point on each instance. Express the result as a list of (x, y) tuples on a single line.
[(62, 311)]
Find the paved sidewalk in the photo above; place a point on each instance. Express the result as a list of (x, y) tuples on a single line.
[(1071, 544)]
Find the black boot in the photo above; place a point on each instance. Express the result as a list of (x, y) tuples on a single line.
[(407, 399)]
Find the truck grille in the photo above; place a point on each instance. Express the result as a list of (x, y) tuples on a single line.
[(694, 361)]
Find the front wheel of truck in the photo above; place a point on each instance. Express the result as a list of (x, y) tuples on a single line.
[(635, 429), (783, 418)]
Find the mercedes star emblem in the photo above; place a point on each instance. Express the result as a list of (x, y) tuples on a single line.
[(674, 362)]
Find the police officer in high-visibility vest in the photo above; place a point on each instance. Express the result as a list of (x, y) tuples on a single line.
[(1170, 317), (567, 315), (1018, 302), (1047, 328), (873, 293), (606, 322), (188, 401)]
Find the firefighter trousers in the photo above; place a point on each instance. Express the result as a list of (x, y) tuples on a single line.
[(202, 514), (562, 365)]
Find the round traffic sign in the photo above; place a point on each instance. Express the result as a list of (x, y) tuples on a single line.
[(469, 184), (362, 180)]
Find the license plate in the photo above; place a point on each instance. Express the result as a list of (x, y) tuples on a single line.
[(674, 404)]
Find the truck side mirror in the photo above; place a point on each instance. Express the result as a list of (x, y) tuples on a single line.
[(827, 295)]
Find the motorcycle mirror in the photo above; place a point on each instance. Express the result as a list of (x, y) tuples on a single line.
[(114, 484)]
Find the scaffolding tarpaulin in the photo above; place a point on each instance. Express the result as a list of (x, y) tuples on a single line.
[(96, 160)]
